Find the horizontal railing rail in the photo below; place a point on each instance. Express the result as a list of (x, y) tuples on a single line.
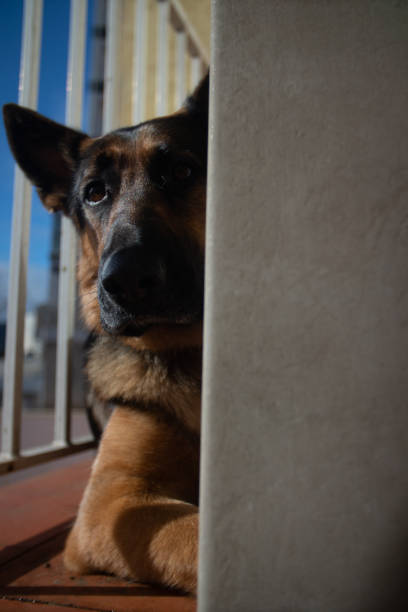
[(169, 14)]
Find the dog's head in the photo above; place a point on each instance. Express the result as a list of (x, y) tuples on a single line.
[(137, 199)]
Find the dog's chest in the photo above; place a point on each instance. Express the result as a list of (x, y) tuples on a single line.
[(148, 381)]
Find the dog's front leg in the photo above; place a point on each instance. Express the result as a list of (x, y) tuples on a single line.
[(152, 540), (137, 518)]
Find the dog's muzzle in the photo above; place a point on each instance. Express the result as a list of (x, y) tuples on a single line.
[(140, 287), (131, 275), (132, 283)]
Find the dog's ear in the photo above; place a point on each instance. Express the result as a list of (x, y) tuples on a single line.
[(198, 101), (46, 151)]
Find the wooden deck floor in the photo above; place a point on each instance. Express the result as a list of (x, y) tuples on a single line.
[(35, 516)]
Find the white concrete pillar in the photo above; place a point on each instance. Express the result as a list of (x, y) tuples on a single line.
[(305, 446)]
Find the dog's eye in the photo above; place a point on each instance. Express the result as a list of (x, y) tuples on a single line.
[(182, 172), (95, 193)]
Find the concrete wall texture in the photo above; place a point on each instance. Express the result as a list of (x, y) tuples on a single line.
[(305, 443)]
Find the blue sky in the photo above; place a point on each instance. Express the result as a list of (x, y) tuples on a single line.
[(51, 102)]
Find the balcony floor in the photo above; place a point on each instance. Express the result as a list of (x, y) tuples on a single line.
[(35, 515)]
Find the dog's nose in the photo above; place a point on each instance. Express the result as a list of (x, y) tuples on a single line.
[(131, 274)]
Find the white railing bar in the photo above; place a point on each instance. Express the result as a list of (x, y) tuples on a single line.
[(139, 63), (111, 99), (43, 454), (76, 63), (195, 71), (181, 90), (162, 57), (183, 23), (95, 93), (66, 286), (13, 367)]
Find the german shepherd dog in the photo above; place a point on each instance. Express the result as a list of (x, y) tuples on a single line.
[(137, 199)]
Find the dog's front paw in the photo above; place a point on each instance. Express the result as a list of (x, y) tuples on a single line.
[(74, 560), (174, 552)]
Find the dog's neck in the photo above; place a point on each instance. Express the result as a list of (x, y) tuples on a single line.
[(168, 381)]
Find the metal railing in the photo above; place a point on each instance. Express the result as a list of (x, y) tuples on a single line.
[(169, 15)]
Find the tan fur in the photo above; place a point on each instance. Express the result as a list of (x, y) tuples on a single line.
[(161, 337), (144, 377), (138, 517), (53, 201), (87, 274)]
